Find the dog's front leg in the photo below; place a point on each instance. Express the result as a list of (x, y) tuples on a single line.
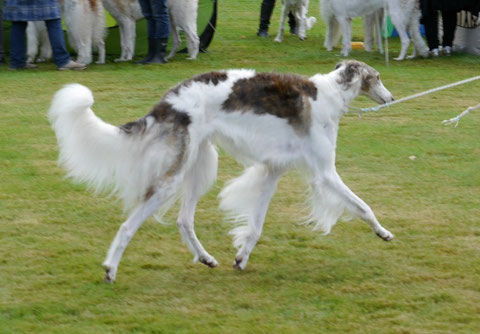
[(279, 37), (346, 28), (356, 205)]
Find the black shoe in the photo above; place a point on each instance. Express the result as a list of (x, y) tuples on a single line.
[(263, 33), (160, 48), (150, 54), (2, 59)]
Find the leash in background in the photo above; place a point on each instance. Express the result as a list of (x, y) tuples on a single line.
[(457, 119), (410, 97)]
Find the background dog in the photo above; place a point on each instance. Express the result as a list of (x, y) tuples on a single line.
[(183, 15), (85, 21), (37, 38), (270, 122), (299, 8), (405, 15)]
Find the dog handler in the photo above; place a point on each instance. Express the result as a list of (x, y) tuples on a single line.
[(158, 29), (22, 11)]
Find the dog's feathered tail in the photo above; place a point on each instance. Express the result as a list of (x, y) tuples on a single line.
[(102, 155), (89, 148)]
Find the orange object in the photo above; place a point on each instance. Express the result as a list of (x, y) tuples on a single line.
[(357, 45)]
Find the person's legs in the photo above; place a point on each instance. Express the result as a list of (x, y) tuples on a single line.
[(266, 11), (292, 22), (431, 30), (18, 47), (449, 19), (2, 52), (61, 56), (158, 26)]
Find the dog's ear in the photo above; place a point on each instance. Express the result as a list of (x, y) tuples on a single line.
[(351, 70), (349, 73)]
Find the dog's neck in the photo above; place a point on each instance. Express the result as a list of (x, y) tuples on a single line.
[(336, 88)]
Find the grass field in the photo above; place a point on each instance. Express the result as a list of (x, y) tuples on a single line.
[(54, 234)]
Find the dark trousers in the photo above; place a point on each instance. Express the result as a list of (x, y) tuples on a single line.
[(449, 19), (266, 11), (2, 52), (158, 21), (18, 47)]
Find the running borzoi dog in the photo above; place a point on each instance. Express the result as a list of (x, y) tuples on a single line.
[(299, 8), (183, 15), (270, 122), (405, 15)]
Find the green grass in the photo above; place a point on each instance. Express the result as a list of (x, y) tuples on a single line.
[(54, 234)]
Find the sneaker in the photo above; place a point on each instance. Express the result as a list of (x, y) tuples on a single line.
[(434, 53), (447, 51), (263, 33), (26, 67), (71, 65)]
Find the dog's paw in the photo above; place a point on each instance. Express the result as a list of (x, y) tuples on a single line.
[(385, 234), (110, 273), (208, 261), (240, 263), (278, 40)]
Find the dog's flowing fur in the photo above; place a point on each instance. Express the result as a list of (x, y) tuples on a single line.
[(405, 15), (299, 8), (270, 122), (183, 15), (85, 21)]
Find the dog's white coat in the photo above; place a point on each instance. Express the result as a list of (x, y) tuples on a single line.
[(104, 156), (183, 15), (405, 15), (299, 8)]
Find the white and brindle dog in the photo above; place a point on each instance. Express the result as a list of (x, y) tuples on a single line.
[(183, 15), (299, 9), (271, 122), (405, 15)]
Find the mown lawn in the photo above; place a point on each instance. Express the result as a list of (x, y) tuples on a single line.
[(54, 234)]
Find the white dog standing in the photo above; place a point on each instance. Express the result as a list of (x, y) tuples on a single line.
[(183, 15), (271, 122), (405, 15), (85, 20), (299, 8)]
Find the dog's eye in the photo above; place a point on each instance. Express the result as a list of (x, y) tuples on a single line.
[(378, 77)]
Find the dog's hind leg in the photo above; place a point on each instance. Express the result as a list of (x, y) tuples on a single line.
[(144, 210), (197, 181), (176, 40), (247, 198), (353, 204)]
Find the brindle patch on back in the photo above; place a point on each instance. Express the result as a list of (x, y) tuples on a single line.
[(93, 5), (214, 78), (281, 95)]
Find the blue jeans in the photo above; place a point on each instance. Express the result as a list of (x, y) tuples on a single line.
[(18, 47), (156, 13)]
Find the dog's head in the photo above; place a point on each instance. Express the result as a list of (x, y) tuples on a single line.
[(358, 75)]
